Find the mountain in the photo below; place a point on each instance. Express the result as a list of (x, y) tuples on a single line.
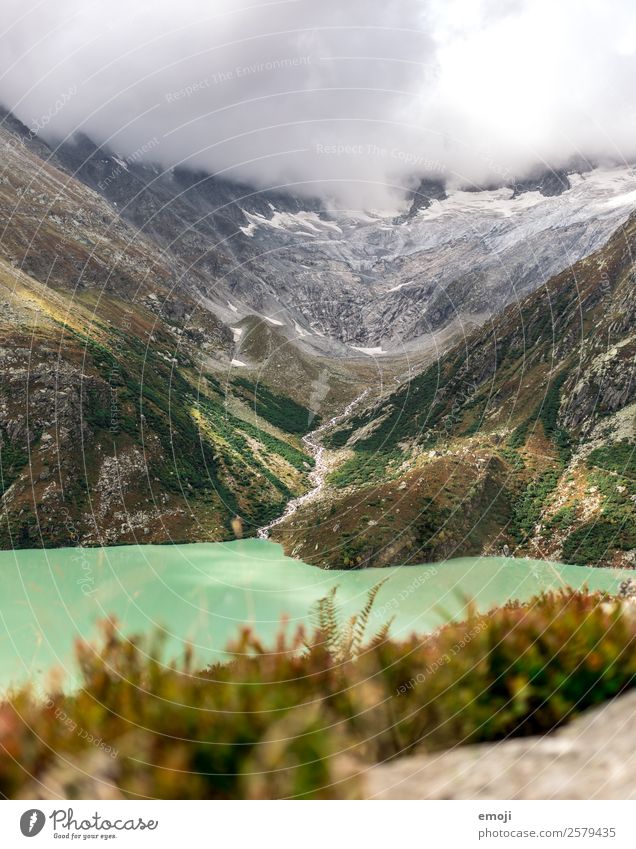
[(366, 279), (168, 337), (121, 416), (521, 438), (132, 406), (336, 279)]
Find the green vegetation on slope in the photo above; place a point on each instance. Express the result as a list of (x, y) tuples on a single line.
[(530, 505), (611, 478), (408, 413), (278, 410), (136, 419), (617, 457), (205, 449)]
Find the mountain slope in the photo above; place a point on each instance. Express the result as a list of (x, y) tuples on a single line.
[(522, 436), (129, 409), (115, 419)]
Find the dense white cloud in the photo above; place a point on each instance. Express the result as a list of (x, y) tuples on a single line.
[(348, 99)]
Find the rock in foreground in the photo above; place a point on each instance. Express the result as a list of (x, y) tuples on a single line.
[(592, 758)]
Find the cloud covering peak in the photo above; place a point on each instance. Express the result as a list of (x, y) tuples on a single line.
[(353, 101)]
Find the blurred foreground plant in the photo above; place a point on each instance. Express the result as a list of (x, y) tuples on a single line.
[(301, 718)]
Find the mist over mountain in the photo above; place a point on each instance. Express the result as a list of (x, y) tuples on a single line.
[(354, 103)]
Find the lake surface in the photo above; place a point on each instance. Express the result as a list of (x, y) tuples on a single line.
[(202, 593)]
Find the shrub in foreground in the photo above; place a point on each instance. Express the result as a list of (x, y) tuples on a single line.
[(302, 718)]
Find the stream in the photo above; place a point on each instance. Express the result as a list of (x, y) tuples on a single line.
[(319, 473)]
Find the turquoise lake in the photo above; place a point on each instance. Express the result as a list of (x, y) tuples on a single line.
[(202, 593)]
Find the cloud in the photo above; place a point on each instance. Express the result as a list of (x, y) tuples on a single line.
[(352, 101)]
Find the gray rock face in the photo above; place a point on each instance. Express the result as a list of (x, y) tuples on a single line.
[(333, 278), (592, 758), (425, 194), (549, 184), (373, 281), (365, 279)]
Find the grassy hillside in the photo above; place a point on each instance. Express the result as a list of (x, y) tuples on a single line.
[(126, 442)]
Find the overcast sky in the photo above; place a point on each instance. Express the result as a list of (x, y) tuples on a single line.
[(350, 99)]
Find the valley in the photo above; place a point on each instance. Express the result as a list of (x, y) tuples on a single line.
[(200, 360), (520, 438), (313, 441)]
